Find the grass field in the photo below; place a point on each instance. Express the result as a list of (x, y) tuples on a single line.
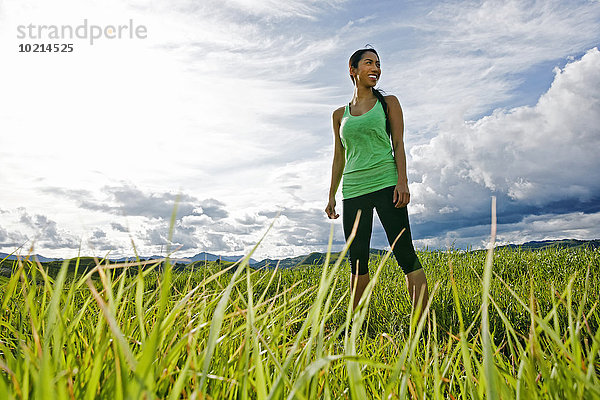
[(523, 325)]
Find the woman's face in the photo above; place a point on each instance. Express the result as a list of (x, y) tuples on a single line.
[(368, 71)]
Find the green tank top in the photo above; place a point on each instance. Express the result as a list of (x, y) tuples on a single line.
[(370, 163)]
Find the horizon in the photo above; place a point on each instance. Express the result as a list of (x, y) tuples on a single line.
[(226, 112), (261, 259)]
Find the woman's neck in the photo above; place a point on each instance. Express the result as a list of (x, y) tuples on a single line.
[(361, 94)]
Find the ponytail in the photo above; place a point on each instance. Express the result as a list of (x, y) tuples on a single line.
[(379, 94)]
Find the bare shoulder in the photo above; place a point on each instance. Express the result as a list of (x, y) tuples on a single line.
[(392, 101), (338, 114)]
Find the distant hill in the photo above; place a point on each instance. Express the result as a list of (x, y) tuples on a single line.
[(213, 257), (315, 258), (184, 260), (39, 257), (319, 258), (563, 243), (187, 260)]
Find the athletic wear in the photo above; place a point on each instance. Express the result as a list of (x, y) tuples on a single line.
[(370, 163), (393, 221), (369, 179)]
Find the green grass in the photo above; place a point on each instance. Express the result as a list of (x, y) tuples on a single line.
[(246, 334)]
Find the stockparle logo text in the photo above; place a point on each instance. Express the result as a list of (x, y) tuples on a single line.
[(84, 31)]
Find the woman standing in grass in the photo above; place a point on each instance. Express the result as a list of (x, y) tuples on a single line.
[(374, 175)]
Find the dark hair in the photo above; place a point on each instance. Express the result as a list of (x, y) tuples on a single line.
[(353, 62)]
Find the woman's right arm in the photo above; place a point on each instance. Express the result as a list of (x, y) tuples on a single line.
[(339, 161)]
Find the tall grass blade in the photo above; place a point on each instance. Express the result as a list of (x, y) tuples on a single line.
[(489, 368)]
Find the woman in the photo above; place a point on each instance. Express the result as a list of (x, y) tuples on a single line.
[(374, 175)]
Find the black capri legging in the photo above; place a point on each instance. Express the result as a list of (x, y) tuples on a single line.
[(393, 220)]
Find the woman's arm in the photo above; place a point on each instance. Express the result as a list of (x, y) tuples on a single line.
[(339, 161), (401, 193)]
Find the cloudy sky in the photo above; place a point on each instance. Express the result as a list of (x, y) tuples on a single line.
[(225, 108)]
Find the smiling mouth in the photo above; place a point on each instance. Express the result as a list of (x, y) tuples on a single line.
[(373, 77)]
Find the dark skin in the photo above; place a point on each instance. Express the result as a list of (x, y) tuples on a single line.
[(365, 77)]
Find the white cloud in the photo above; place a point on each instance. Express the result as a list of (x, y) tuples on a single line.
[(470, 57), (46, 233), (283, 9), (576, 225), (11, 239), (208, 92), (533, 156), (260, 9)]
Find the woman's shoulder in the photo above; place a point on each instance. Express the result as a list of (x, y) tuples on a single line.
[(391, 97), (392, 102), (339, 112)]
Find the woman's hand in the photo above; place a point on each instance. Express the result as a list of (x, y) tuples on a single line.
[(401, 195), (330, 209)]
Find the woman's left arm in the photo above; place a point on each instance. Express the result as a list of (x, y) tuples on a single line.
[(401, 192)]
